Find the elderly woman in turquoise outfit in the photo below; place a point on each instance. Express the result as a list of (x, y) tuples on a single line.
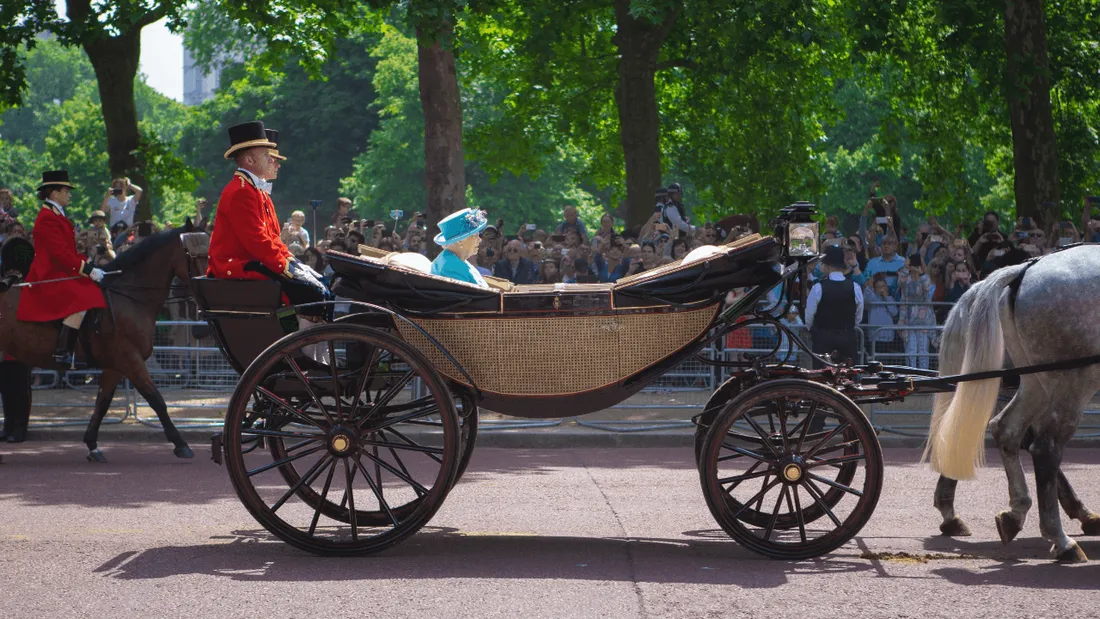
[(460, 235)]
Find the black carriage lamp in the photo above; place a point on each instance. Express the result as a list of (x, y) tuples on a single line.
[(802, 230)]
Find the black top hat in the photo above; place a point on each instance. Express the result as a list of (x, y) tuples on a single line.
[(834, 257), (55, 178), (248, 135), (661, 191), (675, 187), (273, 137)]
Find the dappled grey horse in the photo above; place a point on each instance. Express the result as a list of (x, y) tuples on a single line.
[(1044, 313)]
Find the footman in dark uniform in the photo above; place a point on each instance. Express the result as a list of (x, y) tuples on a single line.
[(833, 309), (16, 256)]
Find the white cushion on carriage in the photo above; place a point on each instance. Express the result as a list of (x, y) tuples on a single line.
[(410, 260), (702, 253)]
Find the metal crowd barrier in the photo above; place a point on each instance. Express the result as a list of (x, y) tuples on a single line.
[(193, 374)]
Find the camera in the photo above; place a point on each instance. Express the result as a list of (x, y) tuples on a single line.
[(101, 249), (396, 214), (116, 191)]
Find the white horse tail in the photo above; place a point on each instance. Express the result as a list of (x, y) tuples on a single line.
[(957, 436), (952, 350)]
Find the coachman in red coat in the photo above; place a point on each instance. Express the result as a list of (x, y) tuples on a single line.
[(245, 243), (55, 257)]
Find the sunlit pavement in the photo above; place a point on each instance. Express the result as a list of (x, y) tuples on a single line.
[(532, 533)]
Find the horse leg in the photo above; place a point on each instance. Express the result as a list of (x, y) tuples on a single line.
[(108, 382), (1008, 429), (1047, 454), (952, 525), (144, 385), (1071, 503)]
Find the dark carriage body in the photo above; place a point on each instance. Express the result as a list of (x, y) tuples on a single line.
[(599, 343)]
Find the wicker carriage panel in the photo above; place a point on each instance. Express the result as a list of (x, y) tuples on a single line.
[(557, 355)]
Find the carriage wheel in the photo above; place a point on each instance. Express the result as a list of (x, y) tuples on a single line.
[(351, 467), (798, 492)]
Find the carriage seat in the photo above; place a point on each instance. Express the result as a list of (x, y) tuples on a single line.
[(246, 314)]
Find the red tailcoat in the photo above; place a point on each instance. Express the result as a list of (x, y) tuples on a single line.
[(55, 257), (246, 229)]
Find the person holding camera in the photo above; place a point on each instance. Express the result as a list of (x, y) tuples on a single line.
[(915, 291), (121, 201), (833, 309)]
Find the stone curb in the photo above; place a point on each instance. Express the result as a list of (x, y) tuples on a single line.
[(520, 438)]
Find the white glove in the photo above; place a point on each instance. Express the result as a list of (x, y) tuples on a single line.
[(96, 275), (310, 270)]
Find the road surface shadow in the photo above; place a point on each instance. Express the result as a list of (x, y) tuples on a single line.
[(442, 553)]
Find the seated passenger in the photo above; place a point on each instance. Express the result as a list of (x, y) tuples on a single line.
[(459, 236)]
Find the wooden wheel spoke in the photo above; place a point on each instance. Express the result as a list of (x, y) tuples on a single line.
[(417, 448), (782, 414), (311, 436), (797, 509), (764, 436), (286, 460), (368, 373), (837, 447), (402, 475), (283, 404), (743, 452), (833, 484), (836, 462), (335, 380), (828, 437), (805, 426), (324, 497), (306, 479), (309, 388), (350, 494), (413, 446), (758, 495), (775, 512), (818, 498), (390, 394), (737, 479), (386, 423), (377, 493)]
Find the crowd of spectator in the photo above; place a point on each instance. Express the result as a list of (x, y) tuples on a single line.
[(909, 278)]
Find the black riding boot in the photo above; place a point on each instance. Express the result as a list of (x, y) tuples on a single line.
[(66, 344)]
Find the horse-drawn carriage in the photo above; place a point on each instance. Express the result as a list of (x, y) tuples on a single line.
[(345, 438)]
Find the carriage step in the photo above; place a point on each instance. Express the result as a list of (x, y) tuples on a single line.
[(216, 448)]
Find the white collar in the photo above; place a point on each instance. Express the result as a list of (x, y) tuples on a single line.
[(836, 276), (260, 183), (56, 206)]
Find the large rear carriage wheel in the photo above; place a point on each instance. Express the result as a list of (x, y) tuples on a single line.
[(791, 469), (356, 459)]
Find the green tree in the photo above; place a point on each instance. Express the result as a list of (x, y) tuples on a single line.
[(109, 32)]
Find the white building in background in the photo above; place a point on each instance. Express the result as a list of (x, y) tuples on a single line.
[(198, 86)]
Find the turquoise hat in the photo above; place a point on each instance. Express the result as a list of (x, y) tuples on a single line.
[(460, 225)]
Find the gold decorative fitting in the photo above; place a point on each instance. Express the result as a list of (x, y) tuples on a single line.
[(557, 302), (340, 443), (792, 472)]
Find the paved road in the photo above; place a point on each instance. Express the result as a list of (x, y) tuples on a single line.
[(546, 533)]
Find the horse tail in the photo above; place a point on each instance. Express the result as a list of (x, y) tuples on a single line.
[(957, 436)]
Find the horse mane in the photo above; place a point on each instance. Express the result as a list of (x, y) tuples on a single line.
[(143, 250)]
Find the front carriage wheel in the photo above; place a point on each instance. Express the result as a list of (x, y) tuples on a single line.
[(801, 489), (363, 440)]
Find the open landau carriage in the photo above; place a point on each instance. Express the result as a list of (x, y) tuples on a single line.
[(345, 438)]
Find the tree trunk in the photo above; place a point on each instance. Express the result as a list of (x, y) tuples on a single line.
[(115, 60), (444, 169), (1027, 84), (639, 43)]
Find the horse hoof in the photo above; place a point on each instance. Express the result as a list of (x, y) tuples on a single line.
[(1090, 525), (183, 452), (955, 527), (1007, 526), (97, 456), (1072, 554)]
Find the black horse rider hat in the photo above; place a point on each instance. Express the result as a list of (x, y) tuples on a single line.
[(55, 178), (675, 187), (273, 137), (248, 135), (834, 257)]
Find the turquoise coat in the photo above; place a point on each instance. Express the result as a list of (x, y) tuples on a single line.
[(448, 264)]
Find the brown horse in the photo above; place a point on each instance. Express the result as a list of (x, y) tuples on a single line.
[(124, 337)]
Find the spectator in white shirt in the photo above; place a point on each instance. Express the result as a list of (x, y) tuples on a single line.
[(121, 200)]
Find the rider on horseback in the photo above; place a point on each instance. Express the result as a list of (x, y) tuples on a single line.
[(245, 243), (56, 258)]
